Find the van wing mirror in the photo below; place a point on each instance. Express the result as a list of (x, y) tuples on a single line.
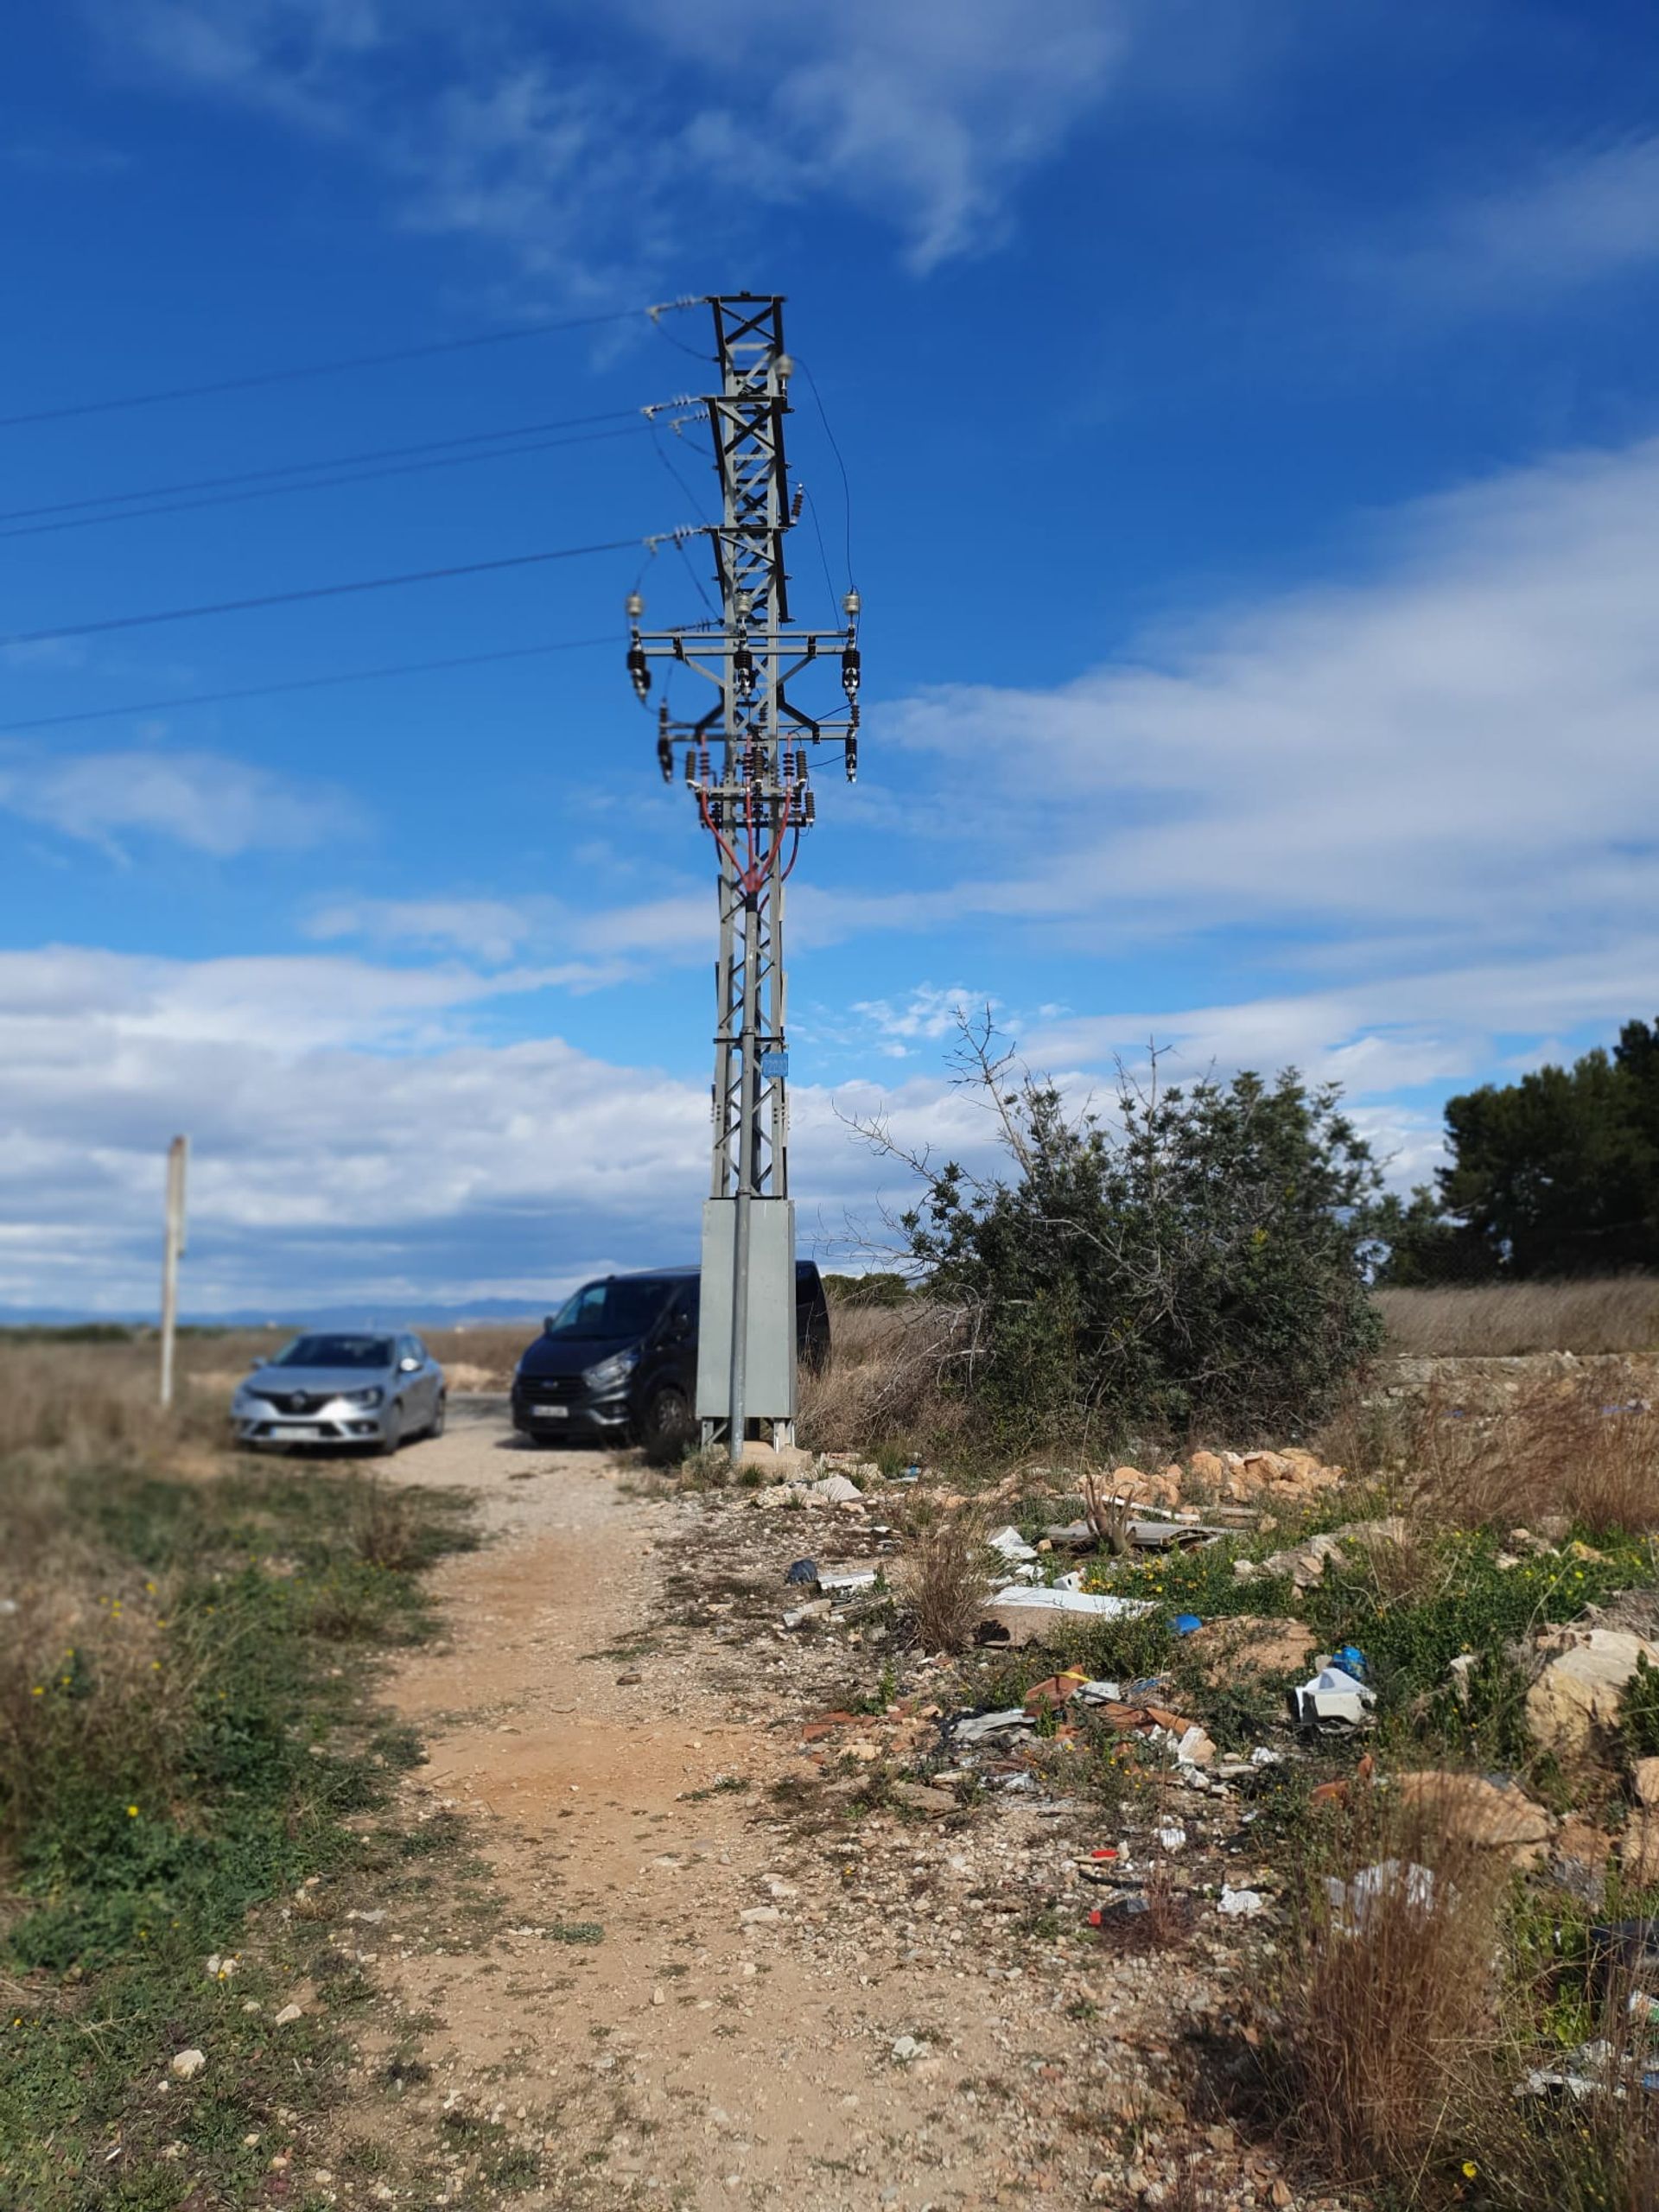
[(547, 1325)]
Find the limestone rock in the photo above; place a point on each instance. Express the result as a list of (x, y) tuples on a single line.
[(1472, 1809), (1638, 1852), (1644, 1779), (1573, 1704)]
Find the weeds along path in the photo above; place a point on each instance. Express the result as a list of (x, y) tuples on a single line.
[(621, 2009)]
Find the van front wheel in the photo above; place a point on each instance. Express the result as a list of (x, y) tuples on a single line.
[(666, 1422)]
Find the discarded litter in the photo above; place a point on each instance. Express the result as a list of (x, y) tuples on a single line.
[(1011, 1545), (978, 1726), (804, 1570), (1241, 1903), (1172, 1838), (1050, 1695), (1100, 1694), (1332, 1694), (819, 1609), (1100, 1604), (840, 1581), (1264, 1755), (1184, 1624), (1353, 1902), (1350, 1659)]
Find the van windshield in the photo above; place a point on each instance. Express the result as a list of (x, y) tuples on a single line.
[(620, 1307)]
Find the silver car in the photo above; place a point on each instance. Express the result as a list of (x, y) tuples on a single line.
[(372, 1389)]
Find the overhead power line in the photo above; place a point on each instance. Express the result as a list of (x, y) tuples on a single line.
[(317, 483), (340, 591), (324, 461), (299, 372), (300, 684)]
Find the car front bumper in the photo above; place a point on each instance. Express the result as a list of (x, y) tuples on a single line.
[(539, 1409), (260, 1424)]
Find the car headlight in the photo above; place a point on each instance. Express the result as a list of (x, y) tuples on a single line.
[(362, 1397), (611, 1373), (242, 1402)]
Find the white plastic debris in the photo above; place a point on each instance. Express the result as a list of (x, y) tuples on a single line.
[(1332, 1695), (1101, 1693), (1173, 1837), (1099, 1604), (979, 1725), (1243, 1903), (1353, 1902), (841, 1581), (1264, 1755), (1011, 1544)]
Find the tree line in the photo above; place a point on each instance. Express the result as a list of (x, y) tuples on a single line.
[(1554, 1175)]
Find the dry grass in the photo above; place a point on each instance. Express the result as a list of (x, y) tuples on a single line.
[(1496, 1320), (944, 1579), (885, 1383), (1391, 2029), (98, 1403), (1562, 1448)]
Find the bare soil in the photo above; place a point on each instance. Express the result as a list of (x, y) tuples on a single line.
[(696, 1977)]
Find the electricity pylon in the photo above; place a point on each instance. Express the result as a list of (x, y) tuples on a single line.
[(747, 763)]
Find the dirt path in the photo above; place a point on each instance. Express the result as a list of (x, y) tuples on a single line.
[(729, 2038)]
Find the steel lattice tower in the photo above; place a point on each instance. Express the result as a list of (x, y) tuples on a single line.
[(747, 763)]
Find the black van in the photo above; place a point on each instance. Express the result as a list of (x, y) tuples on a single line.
[(618, 1359)]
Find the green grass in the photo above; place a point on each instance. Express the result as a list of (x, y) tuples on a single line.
[(151, 1806)]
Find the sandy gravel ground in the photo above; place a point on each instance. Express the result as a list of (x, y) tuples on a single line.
[(730, 2038)]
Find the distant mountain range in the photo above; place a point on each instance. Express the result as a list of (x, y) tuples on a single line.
[(326, 1317)]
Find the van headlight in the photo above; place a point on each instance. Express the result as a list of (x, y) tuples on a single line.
[(611, 1373)]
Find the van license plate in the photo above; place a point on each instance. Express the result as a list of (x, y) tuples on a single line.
[(553, 1412)]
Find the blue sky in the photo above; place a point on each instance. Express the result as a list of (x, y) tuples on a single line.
[(1252, 425)]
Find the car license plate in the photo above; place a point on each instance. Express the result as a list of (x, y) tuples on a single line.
[(553, 1412), (301, 1435)]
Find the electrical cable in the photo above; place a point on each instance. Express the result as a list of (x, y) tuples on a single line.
[(300, 684), (335, 591), (318, 483), (846, 482), (345, 362), (328, 460)]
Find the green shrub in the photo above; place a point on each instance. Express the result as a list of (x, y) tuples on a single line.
[(1195, 1259)]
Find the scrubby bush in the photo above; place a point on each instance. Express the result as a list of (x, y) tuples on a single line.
[(1192, 1259)]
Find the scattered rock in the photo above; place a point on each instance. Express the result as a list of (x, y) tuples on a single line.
[(1475, 1810), (1644, 1780), (288, 2014), (1639, 1854), (922, 1799), (907, 2049), (1573, 1705), (185, 2065)]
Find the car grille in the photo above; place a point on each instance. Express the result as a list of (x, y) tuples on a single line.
[(300, 1402)]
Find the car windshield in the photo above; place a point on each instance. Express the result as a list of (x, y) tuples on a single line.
[(336, 1351), (620, 1307)]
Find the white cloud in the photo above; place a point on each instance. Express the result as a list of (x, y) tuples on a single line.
[(1578, 220), (204, 800), (350, 1140), (1459, 749), (595, 170)]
